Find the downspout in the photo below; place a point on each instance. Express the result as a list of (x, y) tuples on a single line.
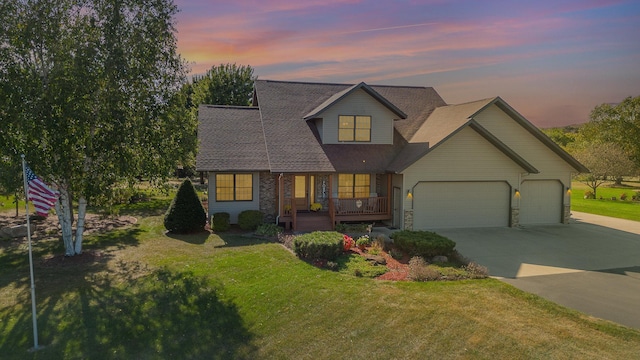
[(279, 199)]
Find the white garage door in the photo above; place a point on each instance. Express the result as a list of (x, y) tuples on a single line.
[(461, 204), (541, 202)]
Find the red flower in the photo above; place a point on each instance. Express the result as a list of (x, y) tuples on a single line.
[(347, 242)]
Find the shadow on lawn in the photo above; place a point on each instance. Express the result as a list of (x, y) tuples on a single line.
[(241, 239), (196, 238), (130, 312)]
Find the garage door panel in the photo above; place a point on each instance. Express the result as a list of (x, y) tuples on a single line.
[(461, 204), (541, 202)]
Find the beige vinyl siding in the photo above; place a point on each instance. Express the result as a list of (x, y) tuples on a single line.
[(510, 132), (466, 156), (232, 207), (358, 103)]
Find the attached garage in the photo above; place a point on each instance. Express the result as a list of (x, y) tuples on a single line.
[(461, 204), (541, 202)]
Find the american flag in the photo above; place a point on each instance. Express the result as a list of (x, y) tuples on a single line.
[(42, 197)]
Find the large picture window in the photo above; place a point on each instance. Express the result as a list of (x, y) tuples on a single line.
[(353, 186), (354, 128), (234, 187)]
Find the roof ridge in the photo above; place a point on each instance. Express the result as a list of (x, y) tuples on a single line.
[(346, 84), (303, 82), (240, 107), (474, 101)]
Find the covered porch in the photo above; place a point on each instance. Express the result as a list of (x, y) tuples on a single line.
[(312, 201)]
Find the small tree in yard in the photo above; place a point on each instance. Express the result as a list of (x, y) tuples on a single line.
[(186, 213), (606, 161)]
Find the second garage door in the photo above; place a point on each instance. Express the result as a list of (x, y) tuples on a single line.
[(541, 202), (461, 204)]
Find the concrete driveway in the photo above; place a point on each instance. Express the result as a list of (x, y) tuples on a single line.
[(591, 265)]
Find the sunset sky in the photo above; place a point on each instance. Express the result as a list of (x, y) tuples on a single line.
[(552, 60)]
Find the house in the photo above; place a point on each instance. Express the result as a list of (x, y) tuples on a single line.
[(393, 154)]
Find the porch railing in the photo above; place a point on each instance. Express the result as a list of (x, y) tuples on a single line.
[(360, 206)]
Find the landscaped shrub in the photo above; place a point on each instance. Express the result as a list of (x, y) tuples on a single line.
[(268, 229), (318, 245), (420, 271), (185, 214), (250, 219), (423, 243), (363, 241), (477, 271), (220, 222)]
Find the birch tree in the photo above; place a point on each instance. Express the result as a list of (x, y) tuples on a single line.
[(90, 91)]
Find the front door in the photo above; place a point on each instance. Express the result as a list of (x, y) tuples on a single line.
[(304, 191)]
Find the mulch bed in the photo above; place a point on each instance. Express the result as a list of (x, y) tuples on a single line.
[(398, 269)]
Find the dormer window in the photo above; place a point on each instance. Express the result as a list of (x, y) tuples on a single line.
[(354, 128)]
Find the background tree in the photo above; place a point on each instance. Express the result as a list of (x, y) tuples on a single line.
[(90, 94), (606, 161), (225, 84), (618, 123)]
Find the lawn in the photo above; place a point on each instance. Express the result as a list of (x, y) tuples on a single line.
[(138, 293), (604, 205)]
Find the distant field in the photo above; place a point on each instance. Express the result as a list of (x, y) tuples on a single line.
[(603, 204)]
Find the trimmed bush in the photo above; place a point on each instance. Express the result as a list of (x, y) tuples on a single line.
[(423, 243), (250, 219), (220, 221), (186, 213), (268, 229), (326, 245)]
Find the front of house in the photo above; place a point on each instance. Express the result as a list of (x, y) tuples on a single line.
[(311, 155)]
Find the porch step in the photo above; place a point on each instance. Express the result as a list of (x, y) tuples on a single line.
[(313, 222)]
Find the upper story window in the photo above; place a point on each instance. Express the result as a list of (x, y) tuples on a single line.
[(234, 187), (354, 128)]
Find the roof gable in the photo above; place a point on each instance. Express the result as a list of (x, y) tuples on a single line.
[(344, 93)]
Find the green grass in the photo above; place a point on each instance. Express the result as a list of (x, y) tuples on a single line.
[(153, 296), (626, 209)]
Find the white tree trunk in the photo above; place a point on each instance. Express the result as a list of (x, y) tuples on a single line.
[(82, 211), (72, 244), (63, 209)]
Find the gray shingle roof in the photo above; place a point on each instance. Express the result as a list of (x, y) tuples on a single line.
[(230, 139), (275, 136)]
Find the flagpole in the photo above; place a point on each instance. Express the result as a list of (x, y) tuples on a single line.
[(33, 284)]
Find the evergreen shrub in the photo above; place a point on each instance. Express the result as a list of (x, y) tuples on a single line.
[(186, 213), (423, 243), (250, 219), (326, 245), (221, 221)]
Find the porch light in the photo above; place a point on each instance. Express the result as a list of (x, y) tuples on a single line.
[(409, 195), (568, 191), (516, 193)]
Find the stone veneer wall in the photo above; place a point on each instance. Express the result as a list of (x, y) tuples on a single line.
[(515, 217), (408, 219), (567, 214), (268, 184)]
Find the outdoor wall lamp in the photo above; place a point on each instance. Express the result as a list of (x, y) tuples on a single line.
[(409, 195), (516, 193), (568, 191)]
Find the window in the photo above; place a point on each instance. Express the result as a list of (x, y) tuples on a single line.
[(354, 128), (353, 186), (234, 187)]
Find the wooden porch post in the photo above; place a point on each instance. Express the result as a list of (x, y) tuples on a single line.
[(293, 203), (389, 189)]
